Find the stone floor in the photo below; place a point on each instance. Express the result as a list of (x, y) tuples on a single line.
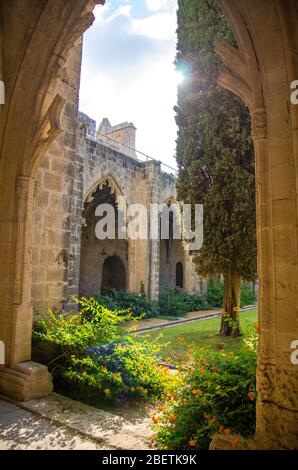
[(56, 422)]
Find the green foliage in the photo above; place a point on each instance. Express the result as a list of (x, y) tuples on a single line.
[(215, 294), (98, 358), (247, 295), (178, 303), (137, 304), (129, 371), (217, 394), (214, 146), (93, 325)]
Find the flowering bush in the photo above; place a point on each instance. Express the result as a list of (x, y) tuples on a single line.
[(100, 360), (130, 371), (217, 394)]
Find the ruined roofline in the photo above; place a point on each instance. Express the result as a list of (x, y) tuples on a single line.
[(117, 127), (94, 137)]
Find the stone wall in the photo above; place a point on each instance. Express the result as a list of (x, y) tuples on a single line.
[(56, 194)]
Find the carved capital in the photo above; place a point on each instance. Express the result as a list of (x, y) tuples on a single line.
[(259, 124), (22, 189)]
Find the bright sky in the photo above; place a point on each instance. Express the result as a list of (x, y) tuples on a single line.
[(128, 72)]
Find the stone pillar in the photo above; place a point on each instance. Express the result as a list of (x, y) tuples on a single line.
[(22, 378), (153, 188)]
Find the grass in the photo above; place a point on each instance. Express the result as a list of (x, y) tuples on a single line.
[(204, 333)]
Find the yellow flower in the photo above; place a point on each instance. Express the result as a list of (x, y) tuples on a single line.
[(197, 391), (132, 389), (85, 373), (106, 391)]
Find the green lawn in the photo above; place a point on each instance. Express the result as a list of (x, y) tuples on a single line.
[(201, 333)]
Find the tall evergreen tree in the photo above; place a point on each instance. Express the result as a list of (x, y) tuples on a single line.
[(215, 155)]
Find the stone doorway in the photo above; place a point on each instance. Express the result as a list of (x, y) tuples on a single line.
[(103, 262), (113, 274)]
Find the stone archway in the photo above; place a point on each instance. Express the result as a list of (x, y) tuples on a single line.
[(113, 274), (260, 71), (36, 89), (95, 252)]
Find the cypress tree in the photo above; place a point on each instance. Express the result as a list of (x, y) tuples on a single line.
[(215, 155)]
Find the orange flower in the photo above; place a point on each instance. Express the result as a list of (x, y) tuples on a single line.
[(251, 396), (196, 391), (202, 370), (152, 437), (168, 359), (172, 417), (160, 407), (192, 442), (223, 312), (90, 383), (235, 442), (180, 338), (214, 370), (227, 431), (154, 419), (106, 391), (221, 428), (236, 309), (258, 329)]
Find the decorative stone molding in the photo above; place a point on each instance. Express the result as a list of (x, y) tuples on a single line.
[(23, 183), (259, 124)]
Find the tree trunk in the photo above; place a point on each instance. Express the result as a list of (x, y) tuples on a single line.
[(231, 305)]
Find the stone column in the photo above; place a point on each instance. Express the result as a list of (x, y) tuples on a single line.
[(22, 378), (154, 245)]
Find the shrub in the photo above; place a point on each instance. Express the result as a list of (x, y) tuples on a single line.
[(178, 303), (215, 294), (217, 394), (129, 371), (248, 296), (137, 304), (100, 360)]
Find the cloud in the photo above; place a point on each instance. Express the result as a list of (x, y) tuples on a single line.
[(128, 73), (160, 26), (162, 5)]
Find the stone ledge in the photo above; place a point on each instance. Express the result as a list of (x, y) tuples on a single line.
[(25, 381), (113, 431)]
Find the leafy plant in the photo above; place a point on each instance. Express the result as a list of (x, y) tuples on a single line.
[(100, 360), (137, 304), (178, 303), (215, 294), (217, 395)]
